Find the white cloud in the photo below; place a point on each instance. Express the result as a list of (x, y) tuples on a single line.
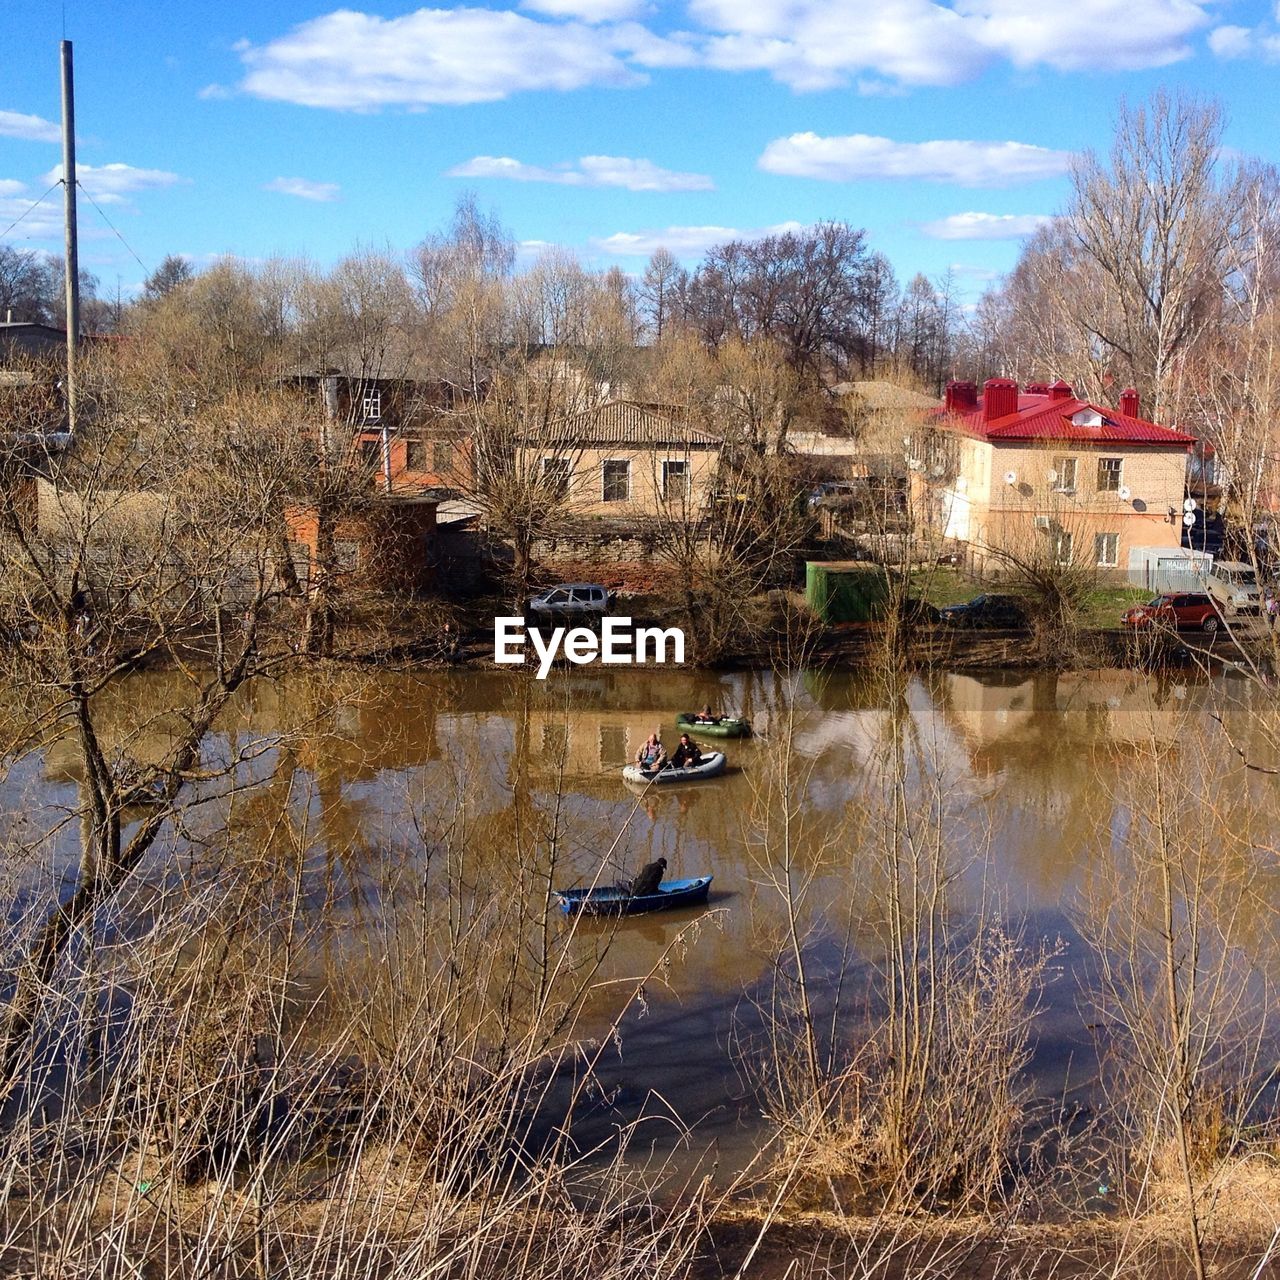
[(589, 171), (861, 156), (43, 222), (1245, 42), (112, 183), (1231, 42), (351, 60), (980, 275), (323, 192), (214, 92), (588, 10), (1086, 35), (684, 242), (817, 44), (13, 124), (11, 186), (985, 226), (355, 61)]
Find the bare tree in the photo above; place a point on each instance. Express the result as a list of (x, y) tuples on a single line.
[(151, 543), (662, 291)]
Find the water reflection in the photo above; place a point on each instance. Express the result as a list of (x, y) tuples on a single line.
[(1035, 778)]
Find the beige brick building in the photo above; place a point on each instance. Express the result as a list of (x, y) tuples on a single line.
[(626, 459), (1009, 470)]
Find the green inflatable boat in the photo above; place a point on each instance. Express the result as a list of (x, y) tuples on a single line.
[(724, 727)]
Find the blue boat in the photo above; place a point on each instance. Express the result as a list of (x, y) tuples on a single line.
[(614, 900)]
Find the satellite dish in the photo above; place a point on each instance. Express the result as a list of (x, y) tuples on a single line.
[(1011, 477), (1051, 475), (1189, 518), (937, 469), (1189, 505), (1124, 493)]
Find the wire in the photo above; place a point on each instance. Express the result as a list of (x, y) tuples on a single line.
[(111, 224), (30, 209)]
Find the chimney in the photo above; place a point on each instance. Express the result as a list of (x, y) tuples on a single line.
[(1061, 391), (961, 397), (999, 398), (1129, 403), (1037, 388)]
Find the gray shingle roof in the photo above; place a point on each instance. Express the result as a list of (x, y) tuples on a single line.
[(628, 422)]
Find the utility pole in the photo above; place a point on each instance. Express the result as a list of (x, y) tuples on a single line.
[(69, 214)]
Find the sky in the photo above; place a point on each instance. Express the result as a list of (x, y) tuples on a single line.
[(610, 127)]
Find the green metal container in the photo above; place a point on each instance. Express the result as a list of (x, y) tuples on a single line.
[(845, 590)]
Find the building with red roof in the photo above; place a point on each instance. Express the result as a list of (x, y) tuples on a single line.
[(1014, 470)]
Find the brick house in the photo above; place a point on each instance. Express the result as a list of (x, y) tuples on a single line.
[(1005, 469), (388, 547), (405, 432), (627, 459)]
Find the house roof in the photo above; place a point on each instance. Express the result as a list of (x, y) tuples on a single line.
[(633, 423), (1040, 417), (879, 395)]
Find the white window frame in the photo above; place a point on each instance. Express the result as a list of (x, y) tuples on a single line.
[(685, 471), (1119, 475), (1063, 538), (615, 462), (1101, 543), (1062, 465), (371, 407)]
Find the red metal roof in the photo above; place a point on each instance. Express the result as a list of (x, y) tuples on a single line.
[(1039, 417)]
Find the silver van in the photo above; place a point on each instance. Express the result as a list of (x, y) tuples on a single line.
[(570, 601), (1234, 588)]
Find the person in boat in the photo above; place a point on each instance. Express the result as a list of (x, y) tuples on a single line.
[(652, 754), (688, 754), (649, 879), (707, 716)]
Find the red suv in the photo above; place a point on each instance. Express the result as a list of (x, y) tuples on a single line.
[(1175, 610)]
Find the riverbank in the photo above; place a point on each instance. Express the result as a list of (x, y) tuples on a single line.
[(792, 637)]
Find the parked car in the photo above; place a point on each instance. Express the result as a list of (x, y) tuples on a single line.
[(570, 602), (1234, 587), (986, 611), (835, 495), (1176, 610)]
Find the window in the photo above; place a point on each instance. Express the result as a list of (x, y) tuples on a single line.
[(675, 479), (371, 407), (346, 556), (442, 456), (1066, 469), (614, 745), (415, 455), (371, 454), (1062, 547), (1109, 470), (555, 475), (1106, 550), (555, 741), (615, 480)]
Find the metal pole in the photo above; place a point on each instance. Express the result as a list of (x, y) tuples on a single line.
[(69, 207)]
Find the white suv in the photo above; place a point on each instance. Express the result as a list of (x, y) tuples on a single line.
[(1233, 586), (569, 601)]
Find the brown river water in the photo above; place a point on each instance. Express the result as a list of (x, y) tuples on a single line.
[(1034, 780)]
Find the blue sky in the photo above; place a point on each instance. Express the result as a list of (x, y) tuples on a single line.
[(607, 126)]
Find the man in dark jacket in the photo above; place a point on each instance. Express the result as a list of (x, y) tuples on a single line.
[(649, 879), (688, 754)]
